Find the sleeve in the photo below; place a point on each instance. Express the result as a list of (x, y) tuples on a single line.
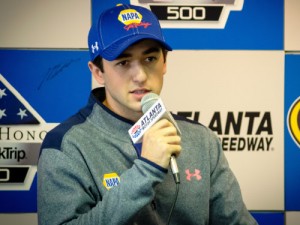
[(67, 193), (226, 203)]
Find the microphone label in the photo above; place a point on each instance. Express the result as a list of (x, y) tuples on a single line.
[(155, 112)]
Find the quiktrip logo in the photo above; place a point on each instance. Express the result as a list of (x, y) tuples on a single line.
[(12, 153), (293, 121), (191, 13)]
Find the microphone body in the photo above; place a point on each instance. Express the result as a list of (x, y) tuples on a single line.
[(154, 110), (150, 100)]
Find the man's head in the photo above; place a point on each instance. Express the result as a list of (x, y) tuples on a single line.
[(119, 27), (128, 57)]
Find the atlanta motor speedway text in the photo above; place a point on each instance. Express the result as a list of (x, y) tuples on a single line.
[(246, 143), (240, 131)]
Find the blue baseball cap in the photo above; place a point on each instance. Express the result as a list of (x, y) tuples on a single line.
[(119, 27)]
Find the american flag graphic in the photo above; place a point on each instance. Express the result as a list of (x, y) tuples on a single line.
[(30, 106), (12, 110)]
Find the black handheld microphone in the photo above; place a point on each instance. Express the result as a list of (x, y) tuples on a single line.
[(149, 100)]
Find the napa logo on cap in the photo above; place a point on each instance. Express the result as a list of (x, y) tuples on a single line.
[(132, 19), (129, 16), (293, 121), (111, 180)]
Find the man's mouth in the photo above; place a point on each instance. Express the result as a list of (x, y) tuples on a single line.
[(140, 91)]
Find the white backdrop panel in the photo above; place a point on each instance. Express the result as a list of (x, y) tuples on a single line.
[(239, 82), (292, 25), (44, 24)]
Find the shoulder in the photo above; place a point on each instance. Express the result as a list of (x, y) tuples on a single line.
[(199, 139), (55, 137), (193, 128)]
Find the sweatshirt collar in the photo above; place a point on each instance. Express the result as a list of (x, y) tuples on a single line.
[(105, 118)]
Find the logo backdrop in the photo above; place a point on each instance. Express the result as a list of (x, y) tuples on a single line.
[(229, 70), (38, 89)]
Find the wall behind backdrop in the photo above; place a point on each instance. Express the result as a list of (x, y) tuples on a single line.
[(236, 70)]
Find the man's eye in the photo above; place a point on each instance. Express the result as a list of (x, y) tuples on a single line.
[(150, 59), (122, 63)]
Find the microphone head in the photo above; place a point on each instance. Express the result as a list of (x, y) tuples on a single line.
[(148, 100)]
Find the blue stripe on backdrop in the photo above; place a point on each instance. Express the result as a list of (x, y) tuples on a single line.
[(259, 26), (55, 83), (269, 218), (292, 151), (19, 201)]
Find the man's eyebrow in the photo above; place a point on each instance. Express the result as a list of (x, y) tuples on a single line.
[(151, 50), (123, 55), (146, 52)]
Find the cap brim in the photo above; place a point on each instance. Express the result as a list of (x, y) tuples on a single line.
[(112, 52)]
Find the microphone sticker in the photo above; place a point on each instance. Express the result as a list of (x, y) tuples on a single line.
[(136, 131), (155, 112)]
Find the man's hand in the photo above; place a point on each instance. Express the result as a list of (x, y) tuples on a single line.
[(160, 142)]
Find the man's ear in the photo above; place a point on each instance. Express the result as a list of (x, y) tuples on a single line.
[(96, 72), (165, 54), (165, 68)]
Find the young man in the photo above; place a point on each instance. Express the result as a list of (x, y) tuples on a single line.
[(90, 172)]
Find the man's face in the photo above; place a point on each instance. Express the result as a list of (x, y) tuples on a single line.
[(136, 72)]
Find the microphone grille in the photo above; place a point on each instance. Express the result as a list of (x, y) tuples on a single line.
[(148, 100)]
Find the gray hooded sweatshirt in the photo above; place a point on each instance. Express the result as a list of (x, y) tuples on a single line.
[(90, 173)]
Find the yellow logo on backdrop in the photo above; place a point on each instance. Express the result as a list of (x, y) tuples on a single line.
[(293, 121), (110, 180)]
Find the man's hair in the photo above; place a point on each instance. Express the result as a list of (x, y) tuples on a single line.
[(99, 62)]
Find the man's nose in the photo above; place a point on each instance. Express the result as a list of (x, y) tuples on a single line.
[(140, 74)]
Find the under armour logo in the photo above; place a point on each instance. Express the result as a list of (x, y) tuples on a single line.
[(189, 175), (95, 47)]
